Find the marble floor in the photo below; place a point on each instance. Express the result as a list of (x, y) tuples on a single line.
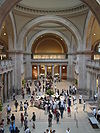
[(83, 125)]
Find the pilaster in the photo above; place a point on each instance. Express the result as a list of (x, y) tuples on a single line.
[(45, 70), (60, 71), (38, 69), (52, 70), (28, 67), (5, 87)]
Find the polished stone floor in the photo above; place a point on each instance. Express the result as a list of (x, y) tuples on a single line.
[(41, 123)]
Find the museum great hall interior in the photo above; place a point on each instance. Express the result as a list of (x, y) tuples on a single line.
[(56, 37)]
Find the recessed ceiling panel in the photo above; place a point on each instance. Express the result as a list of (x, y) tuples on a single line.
[(51, 4)]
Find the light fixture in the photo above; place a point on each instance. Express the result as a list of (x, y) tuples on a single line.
[(63, 67), (49, 67), (34, 67), (94, 34), (3, 27), (4, 34)]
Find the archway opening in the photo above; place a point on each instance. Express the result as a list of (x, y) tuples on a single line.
[(49, 47)]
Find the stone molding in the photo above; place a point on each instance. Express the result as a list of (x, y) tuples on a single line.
[(69, 11), (18, 52)]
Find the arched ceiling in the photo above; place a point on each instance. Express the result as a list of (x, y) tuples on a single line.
[(51, 4), (7, 5), (93, 32), (49, 43)]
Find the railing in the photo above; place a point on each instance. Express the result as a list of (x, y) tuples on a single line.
[(49, 56), (6, 65), (93, 63)]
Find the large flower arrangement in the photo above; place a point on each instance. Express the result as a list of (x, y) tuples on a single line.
[(49, 92)]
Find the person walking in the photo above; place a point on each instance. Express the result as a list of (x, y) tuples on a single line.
[(16, 105), (68, 130), (13, 118), (50, 119), (84, 106), (25, 123), (22, 119), (2, 126), (12, 128), (57, 116), (27, 130), (34, 116)]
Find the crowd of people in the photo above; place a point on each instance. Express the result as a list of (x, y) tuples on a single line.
[(53, 106)]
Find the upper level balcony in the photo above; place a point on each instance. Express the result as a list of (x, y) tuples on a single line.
[(5, 66), (93, 64), (50, 56)]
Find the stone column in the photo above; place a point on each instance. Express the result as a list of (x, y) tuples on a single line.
[(5, 87), (1, 88), (45, 70), (60, 72), (53, 71), (17, 73), (98, 91), (9, 84), (70, 72), (38, 71), (99, 85), (28, 67), (89, 84), (95, 83), (12, 82), (82, 72)]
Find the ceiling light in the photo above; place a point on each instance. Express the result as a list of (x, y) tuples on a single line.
[(4, 34)]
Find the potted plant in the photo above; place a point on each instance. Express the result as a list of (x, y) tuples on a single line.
[(49, 92)]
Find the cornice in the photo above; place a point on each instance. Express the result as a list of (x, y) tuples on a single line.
[(69, 11)]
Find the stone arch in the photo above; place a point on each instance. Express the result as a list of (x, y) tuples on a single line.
[(85, 28), (11, 29), (66, 23), (44, 32), (7, 5)]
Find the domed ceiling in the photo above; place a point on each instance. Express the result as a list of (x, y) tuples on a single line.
[(51, 4)]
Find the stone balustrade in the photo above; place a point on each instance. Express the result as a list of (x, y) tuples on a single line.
[(50, 61), (6, 65), (93, 64)]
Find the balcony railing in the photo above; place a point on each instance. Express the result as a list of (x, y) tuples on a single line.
[(49, 56), (93, 63), (6, 65)]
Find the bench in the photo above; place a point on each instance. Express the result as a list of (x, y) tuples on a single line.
[(93, 122)]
